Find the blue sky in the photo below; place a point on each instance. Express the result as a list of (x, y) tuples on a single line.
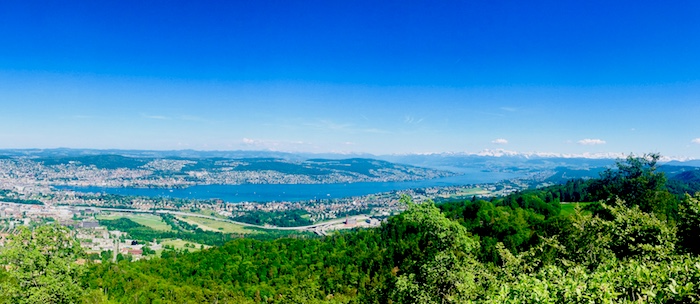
[(352, 76)]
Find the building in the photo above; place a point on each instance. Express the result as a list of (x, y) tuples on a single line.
[(89, 224)]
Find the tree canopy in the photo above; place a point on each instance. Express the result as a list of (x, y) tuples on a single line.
[(40, 267)]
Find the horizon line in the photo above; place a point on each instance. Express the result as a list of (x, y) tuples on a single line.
[(482, 153)]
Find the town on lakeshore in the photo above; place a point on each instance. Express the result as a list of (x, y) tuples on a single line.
[(31, 194)]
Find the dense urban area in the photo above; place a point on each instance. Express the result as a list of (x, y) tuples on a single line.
[(121, 171)]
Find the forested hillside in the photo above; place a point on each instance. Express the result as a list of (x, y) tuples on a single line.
[(634, 242)]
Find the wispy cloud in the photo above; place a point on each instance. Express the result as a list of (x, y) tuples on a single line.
[(591, 142), (509, 109), (157, 117), (500, 141), (374, 131), (412, 120), (696, 141)]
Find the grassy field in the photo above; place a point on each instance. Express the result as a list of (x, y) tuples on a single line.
[(568, 208), (180, 244), (148, 220), (467, 193), (209, 212), (214, 225)]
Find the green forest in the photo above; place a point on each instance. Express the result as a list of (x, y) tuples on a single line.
[(635, 241)]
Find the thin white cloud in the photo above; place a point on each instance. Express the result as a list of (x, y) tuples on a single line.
[(158, 117), (696, 141), (509, 109), (374, 131), (412, 120), (500, 141), (591, 142)]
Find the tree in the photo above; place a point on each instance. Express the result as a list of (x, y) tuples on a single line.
[(443, 269), (689, 223), (42, 266), (147, 250), (628, 233), (636, 182)]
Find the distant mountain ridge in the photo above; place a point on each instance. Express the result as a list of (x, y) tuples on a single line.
[(188, 153), (586, 155)]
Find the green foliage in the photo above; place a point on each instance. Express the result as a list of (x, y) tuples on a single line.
[(289, 218), (518, 249), (636, 182), (276, 271), (627, 258), (186, 231), (40, 267), (538, 201), (630, 232), (689, 223), (442, 271), (639, 281), (639, 234), (511, 225), (13, 197), (147, 250), (687, 182)]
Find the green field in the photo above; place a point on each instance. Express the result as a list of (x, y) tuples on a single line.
[(568, 208), (209, 212), (214, 225), (148, 220), (180, 244), (466, 193)]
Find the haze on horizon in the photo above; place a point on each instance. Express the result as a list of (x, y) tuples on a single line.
[(364, 76)]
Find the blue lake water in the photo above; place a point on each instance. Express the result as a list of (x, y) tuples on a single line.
[(295, 192)]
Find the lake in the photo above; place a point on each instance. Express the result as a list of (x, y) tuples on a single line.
[(295, 192)]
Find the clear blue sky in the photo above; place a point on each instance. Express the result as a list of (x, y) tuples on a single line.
[(352, 76)]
